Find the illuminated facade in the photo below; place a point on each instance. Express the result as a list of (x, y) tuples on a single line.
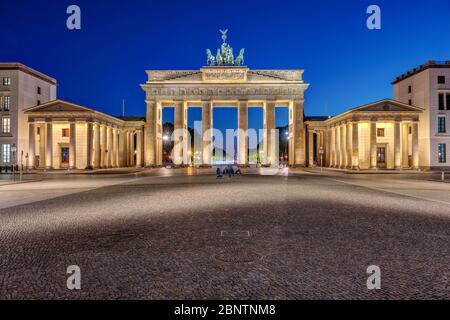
[(406, 133)]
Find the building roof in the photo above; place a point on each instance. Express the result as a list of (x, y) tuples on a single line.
[(427, 65), (28, 70), (60, 106), (384, 108), (317, 118), (131, 118)]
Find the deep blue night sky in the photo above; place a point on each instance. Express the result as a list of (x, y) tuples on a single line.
[(346, 64)]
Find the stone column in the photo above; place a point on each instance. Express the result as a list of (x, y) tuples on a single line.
[(132, 149), (397, 146), (349, 145), (110, 147), (405, 133), (150, 134), (326, 145), (42, 146), (206, 132), (98, 149), (337, 147), (299, 134), (122, 148), (128, 149), (373, 144), (310, 148), (415, 145), (90, 146), (178, 137), (104, 161), (243, 133), (49, 145), (116, 147), (355, 146), (31, 145), (139, 148), (269, 125), (73, 145), (322, 146), (343, 147), (331, 143)]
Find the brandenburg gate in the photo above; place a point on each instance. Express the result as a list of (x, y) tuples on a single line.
[(224, 82)]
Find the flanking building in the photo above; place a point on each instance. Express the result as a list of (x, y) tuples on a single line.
[(428, 87), (21, 87), (409, 131)]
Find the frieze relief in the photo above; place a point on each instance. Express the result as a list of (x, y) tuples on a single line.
[(155, 92)]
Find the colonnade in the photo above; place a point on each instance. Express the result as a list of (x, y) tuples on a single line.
[(341, 144), (153, 137), (101, 144)]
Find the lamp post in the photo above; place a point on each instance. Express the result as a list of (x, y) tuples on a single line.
[(321, 151)]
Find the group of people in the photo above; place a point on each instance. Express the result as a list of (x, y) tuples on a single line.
[(229, 170)]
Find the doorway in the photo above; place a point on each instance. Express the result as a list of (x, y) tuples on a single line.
[(65, 156), (381, 157)]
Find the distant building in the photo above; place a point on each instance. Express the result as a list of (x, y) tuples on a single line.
[(20, 88), (428, 87)]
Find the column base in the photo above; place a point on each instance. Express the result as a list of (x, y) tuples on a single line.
[(355, 168)]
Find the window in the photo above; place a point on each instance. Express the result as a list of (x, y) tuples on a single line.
[(441, 101), (448, 101), (410, 130), (442, 153), (6, 153), (5, 103), (38, 90), (380, 132), (441, 124), (410, 102), (38, 131), (441, 79), (6, 125), (409, 89), (7, 81), (65, 133), (39, 102)]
